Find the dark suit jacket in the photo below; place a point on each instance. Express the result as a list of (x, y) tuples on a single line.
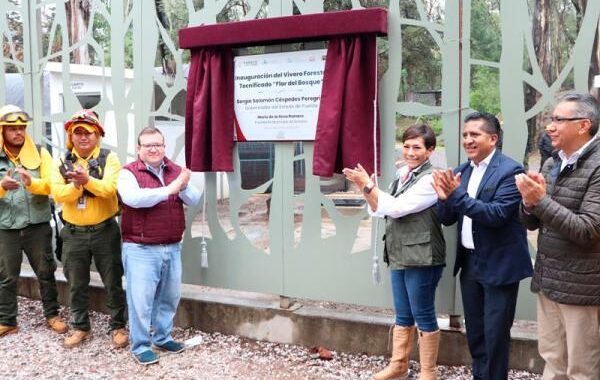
[(500, 239)]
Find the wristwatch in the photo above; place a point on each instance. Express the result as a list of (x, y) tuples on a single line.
[(368, 187)]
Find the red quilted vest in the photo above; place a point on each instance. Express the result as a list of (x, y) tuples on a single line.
[(162, 223)]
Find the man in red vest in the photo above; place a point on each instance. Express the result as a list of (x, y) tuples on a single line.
[(153, 190)]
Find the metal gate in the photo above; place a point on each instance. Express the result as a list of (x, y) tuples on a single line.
[(282, 231)]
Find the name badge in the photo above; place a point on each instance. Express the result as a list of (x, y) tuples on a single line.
[(82, 202)]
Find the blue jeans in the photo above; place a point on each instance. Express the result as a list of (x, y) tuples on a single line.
[(153, 290), (414, 296)]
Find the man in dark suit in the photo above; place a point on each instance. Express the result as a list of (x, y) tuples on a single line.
[(492, 253)]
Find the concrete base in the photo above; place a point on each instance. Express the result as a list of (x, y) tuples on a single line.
[(260, 317)]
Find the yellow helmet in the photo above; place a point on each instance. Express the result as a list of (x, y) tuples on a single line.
[(13, 115)]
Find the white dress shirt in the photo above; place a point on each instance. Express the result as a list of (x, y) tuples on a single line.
[(134, 196), (418, 197), (574, 157), (466, 234)]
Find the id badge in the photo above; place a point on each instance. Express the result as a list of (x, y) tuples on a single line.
[(82, 202)]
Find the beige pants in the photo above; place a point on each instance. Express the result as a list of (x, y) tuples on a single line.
[(568, 340)]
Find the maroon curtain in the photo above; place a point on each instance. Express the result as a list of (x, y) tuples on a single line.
[(344, 135), (209, 111)]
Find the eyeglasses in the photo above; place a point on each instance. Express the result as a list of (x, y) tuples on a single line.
[(13, 117), (152, 146), (562, 120)]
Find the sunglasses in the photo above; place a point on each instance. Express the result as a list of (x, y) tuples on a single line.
[(14, 117)]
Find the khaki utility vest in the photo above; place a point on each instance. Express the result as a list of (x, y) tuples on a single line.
[(414, 240)]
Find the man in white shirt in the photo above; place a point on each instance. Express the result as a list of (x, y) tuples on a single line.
[(153, 190), (492, 252)]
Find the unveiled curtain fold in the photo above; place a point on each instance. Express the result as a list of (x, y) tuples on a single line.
[(209, 111), (344, 135)]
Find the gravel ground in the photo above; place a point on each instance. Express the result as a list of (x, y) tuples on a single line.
[(36, 352)]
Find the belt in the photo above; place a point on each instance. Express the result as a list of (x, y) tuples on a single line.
[(90, 228), (468, 250)]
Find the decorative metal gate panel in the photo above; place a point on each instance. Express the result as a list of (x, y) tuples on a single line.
[(288, 233)]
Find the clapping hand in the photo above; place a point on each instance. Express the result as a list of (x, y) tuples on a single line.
[(445, 182), (185, 176), (8, 182), (79, 177), (25, 176), (532, 187), (181, 182), (358, 176)]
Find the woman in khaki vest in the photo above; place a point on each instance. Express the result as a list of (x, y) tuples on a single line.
[(414, 250)]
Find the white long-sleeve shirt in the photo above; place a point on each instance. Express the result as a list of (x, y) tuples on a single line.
[(466, 233), (418, 197), (572, 159), (134, 196)]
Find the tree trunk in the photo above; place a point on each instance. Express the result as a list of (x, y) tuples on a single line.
[(580, 8), (595, 63), (541, 42), (78, 19), (542, 19), (168, 64)]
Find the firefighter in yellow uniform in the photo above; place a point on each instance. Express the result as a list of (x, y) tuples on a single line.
[(24, 219), (84, 182)]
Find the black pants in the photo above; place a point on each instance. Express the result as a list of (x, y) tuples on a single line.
[(103, 245), (489, 315), (36, 241)]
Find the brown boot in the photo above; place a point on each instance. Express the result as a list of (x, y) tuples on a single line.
[(77, 338), (5, 330), (57, 324), (429, 343), (401, 347), (120, 338)]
